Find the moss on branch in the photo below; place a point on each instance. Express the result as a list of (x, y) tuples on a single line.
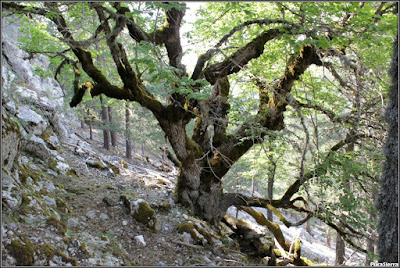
[(273, 227)]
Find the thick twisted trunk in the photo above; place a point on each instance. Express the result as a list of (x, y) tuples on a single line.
[(198, 186), (202, 192)]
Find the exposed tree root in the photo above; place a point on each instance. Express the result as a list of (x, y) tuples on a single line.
[(273, 227)]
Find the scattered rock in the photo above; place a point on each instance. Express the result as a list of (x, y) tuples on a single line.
[(72, 222), (50, 201), (104, 216), (96, 164), (140, 240), (179, 261), (141, 211), (91, 214), (62, 167)]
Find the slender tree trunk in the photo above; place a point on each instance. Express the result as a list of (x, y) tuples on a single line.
[(388, 202), (90, 124), (106, 136), (340, 245), (340, 248), (113, 134), (308, 227), (127, 132), (271, 178), (370, 248), (328, 237), (252, 185)]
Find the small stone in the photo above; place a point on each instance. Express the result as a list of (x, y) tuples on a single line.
[(63, 167), (50, 186), (208, 261), (49, 201), (124, 222), (72, 222), (140, 240), (104, 216), (179, 262), (12, 226), (185, 216), (91, 214), (92, 261)]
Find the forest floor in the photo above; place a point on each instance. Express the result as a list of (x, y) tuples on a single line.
[(99, 231)]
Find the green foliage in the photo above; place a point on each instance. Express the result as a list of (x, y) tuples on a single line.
[(162, 74)]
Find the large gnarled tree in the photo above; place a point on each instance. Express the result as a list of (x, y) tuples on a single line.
[(208, 154)]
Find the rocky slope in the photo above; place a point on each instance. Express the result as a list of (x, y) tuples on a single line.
[(66, 201)]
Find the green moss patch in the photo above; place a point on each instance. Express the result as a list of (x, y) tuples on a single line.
[(61, 226), (189, 228), (66, 258), (48, 251), (63, 206), (96, 164), (141, 211), (146, 215), (23, 251), (197, 231)]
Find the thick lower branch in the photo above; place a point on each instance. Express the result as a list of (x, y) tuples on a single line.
[(273, 227), (244, 202)]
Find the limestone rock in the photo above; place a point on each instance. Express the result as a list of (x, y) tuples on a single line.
[(58, 122), (11, 191), (35, 123), (140, 240), (96, 164), (141, 211), (62, 167), (92, 214), (11, 141), (37, 147)]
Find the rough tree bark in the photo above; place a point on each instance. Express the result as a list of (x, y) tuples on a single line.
[(388, 202)]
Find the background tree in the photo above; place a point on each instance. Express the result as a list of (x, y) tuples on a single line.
[(387, 202), (128, 143), (296, 59)]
